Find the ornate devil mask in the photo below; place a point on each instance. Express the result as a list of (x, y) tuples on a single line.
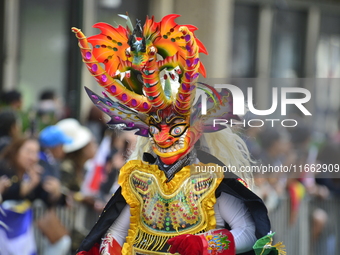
[(152, 74)]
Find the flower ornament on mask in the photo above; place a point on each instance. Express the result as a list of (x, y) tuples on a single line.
[(152, 73)]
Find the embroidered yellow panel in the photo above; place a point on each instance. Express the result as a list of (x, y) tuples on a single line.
[(161, 210)]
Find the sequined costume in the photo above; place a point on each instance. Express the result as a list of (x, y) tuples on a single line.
[(163, 206)]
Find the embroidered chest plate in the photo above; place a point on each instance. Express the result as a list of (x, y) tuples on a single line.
[(161, 210), (171, 213)]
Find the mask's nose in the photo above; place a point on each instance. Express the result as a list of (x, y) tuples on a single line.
[(163, 139)]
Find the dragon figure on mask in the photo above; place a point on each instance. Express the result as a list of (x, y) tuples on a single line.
[(152, 73), (141, 66)]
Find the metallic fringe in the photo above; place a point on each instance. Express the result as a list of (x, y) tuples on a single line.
[(150, 242)]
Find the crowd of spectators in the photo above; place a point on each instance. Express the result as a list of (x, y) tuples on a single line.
[(299, 150), (47, 156)]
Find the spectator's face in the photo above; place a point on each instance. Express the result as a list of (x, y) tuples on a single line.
[(58, 152), (17, 105), (89, 151), (259, 180), (28, 154)]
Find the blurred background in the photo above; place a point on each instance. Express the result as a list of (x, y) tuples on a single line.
[(251, 43)]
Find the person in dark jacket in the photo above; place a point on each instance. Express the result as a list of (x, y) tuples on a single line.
[(9, 127)]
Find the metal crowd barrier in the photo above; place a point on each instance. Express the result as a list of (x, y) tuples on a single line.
[(66, 216), (296, 236)]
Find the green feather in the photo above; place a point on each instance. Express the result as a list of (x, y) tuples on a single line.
[(128, 21), (209, 93)]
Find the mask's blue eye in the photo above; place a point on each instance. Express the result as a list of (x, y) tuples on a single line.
[(153, 130), (178, 130)]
